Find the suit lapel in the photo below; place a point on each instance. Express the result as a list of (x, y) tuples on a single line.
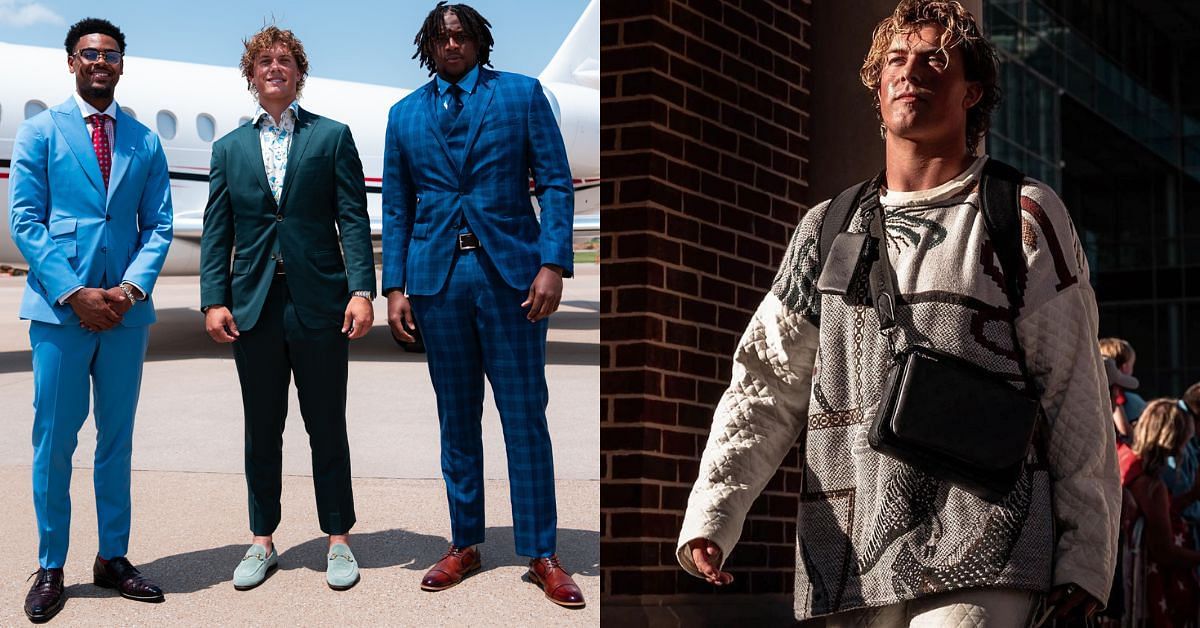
[(122, 150), (477, 104), (300, 136), (248, 138), (431, 118), (71, 125)]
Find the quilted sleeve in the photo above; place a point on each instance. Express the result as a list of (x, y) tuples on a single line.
[(1058, 331), (765, 408)]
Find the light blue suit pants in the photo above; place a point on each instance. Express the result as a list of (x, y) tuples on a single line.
[(70, 364)]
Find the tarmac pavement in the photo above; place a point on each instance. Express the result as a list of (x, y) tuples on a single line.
[(189, 497)]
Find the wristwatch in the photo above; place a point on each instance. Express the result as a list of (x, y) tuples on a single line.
[(366, 294)]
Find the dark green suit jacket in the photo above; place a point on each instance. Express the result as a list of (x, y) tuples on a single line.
[(245, 231)]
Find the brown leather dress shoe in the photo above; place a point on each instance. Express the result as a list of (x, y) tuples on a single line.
[(556, 582), (458, 563), (120, 575), (45, 597)]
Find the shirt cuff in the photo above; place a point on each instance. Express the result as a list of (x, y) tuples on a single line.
[(62, 300)]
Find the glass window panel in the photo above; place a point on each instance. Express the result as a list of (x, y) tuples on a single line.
[(34, 107), (206, 127), (166, 124)]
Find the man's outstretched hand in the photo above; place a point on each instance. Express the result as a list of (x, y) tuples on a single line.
[(707, 557)]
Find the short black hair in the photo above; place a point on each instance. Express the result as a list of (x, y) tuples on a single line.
[(474, 26), (93, 25)]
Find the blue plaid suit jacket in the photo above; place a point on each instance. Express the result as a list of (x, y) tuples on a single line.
[(512, 136)]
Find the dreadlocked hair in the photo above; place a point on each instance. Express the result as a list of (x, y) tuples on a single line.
[(474, 25)]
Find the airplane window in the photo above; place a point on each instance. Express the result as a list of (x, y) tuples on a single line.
[(166, 124), (129, 112), (34, 107), (206, 127)]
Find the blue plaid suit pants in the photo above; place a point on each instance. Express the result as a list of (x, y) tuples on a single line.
[(475, 327)]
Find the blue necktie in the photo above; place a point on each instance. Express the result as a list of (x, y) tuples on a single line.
[(454, 103)]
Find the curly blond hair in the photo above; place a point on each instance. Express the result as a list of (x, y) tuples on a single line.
[(266, 39), (1160, 432), (981, 64)]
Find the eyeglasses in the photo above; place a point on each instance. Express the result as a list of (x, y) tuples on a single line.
[(91, 55), (459, 38)]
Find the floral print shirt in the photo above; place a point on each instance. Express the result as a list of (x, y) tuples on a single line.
[(275, 139)]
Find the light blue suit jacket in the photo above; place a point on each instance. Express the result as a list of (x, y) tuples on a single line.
[(70, 231), (511, 137)]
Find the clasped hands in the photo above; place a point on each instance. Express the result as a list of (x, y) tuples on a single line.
[(99, 309)]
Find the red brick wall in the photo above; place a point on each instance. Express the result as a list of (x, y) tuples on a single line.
[(704, 141)]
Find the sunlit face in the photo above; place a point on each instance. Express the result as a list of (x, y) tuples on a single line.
[(923, 92), (95, 79), (454, 53), (276, 75)]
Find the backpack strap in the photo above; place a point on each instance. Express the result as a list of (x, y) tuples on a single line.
[(837, 217), (1000, 191)]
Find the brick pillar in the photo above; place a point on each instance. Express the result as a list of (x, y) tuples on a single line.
[(704, 141)]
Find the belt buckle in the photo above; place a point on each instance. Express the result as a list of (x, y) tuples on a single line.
[(467, 242)]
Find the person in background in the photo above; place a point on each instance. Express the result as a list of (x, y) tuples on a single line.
[(1180, 471), (1128, 405), (1161, 432), (1119, 385)]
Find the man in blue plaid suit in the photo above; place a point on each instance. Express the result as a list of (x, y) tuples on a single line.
[(464, 253)]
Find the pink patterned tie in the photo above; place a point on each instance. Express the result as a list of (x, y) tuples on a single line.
[(100, 143)]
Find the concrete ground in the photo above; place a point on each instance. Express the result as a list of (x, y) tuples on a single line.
[(189, 499)]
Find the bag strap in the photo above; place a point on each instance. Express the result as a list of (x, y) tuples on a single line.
[(837, 217), (882, 281), (1000, 192)]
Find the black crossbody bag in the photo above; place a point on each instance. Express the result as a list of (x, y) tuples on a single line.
[(939, 413)]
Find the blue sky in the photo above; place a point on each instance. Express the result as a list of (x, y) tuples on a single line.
[(370, 42)]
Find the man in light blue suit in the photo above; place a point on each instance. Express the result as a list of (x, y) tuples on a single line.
[(90, 210), (464, 253)]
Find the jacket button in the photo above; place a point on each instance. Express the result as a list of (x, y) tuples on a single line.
[(278, 217), (104, 249), (107, 218)]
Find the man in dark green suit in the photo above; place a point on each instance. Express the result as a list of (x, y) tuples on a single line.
[(276, 282)]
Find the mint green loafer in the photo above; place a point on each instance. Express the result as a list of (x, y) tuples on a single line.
[(341, 570), (256, 565)]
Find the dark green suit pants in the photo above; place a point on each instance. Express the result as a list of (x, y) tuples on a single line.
[(277, 347)]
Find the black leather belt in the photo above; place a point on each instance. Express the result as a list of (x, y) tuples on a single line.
[(467, 242)]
